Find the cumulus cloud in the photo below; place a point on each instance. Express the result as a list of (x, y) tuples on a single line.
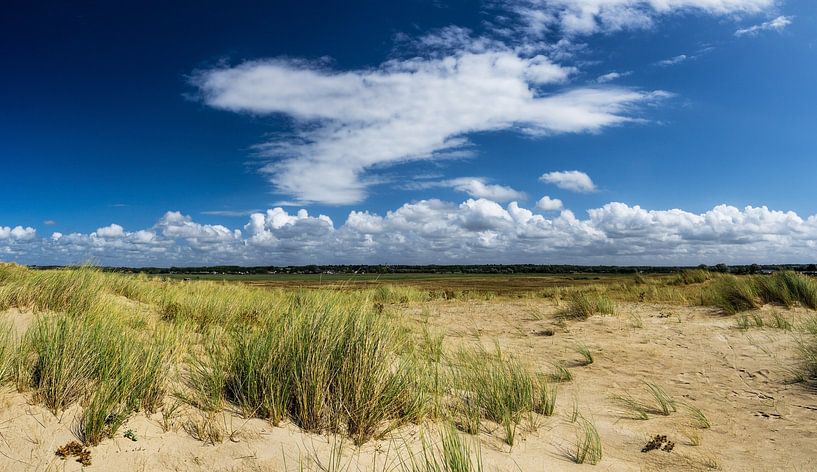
[(573, 180), (778, 24), (549, 204), (584, 17), (17, 233), (477, 230)]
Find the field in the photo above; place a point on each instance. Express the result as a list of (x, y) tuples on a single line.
[(688, 371)]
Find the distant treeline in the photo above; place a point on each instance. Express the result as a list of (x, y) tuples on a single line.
[(455, 269)]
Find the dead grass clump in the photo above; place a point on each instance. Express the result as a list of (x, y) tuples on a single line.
[(74, 448)]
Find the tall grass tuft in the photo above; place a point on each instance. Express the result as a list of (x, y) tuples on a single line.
[(452, 454), (691, 276), (801, 287), (734, 294), (327, 362), (74, 356), (501, 388), (583, 305), (588, 443)]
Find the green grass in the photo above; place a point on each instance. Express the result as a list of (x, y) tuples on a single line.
[(588, 449), (586, 354), (501, 388), (734, 294), (453, 453), (583, 305), (326, 360), (692, 276)]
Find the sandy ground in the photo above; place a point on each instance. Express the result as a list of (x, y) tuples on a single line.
[(740, 379)]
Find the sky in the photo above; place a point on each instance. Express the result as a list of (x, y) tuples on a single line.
[(621, 132)]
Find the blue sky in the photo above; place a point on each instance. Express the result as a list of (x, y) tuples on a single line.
[(662, 132)]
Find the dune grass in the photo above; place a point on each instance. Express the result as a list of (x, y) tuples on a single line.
[(583, 305), (691, 276), (735, 294), (501, 389), (336, 361), (588, 449)]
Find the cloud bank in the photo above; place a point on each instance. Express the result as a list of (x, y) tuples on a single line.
[(435, 231)]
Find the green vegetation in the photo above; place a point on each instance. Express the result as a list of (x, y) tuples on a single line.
[(588, 443), (692, 276), (583, 305), (501, 389), (452, 454), (333, 359), (736, 294), (326, 360)]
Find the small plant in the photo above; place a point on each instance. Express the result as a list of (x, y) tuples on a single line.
[(205, 428), (699, 419), (666, 404), (780, 322), (560, 374), (633, 406), (546, 401), (452, 454), (693, 436), (636, 321), (169, 413), (499, 387), (574, 412), (588, 444), (130, 435), (585, 353)]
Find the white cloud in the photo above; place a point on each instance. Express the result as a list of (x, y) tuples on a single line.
[(112, 231), (573, 180), (582, 17), (229, 212), (479, 189), (549, 204), (778, 24), (475, 187), (674, 60), (17, 233), (611, 76), (351, 122), (435, 231)]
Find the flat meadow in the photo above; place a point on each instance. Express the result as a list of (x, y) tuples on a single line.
[(693, 370)]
